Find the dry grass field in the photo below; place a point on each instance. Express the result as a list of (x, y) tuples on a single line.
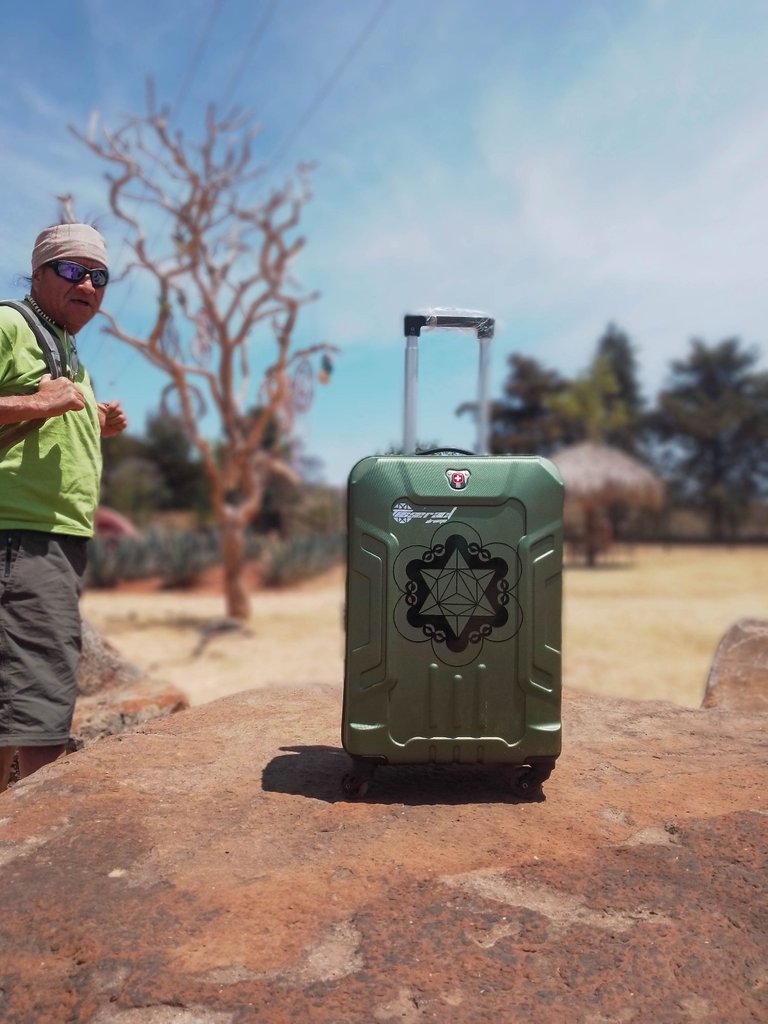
[(644, 624)]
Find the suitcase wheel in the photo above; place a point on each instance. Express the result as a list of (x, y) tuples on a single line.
[(357, 781), (526, 780)]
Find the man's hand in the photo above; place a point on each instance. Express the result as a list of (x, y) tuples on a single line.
[(54, 397), (112, 419)]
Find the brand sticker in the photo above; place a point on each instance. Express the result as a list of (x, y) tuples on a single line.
[(403, 512)]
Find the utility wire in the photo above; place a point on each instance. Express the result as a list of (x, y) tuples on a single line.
[(250, 48), (189, 77), (315, 104), (197, 56), (328, 85)]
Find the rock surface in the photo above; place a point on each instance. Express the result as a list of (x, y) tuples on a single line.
[(208, 870), (101, 666), (115, 696), (738, 678)]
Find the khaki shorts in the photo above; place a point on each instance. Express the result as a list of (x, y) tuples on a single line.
[(41, 578)]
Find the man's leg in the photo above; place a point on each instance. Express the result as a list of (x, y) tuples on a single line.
[(41, 677), (6, 760), (32, 758)]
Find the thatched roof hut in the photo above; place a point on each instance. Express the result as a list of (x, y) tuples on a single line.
[(597, 476)]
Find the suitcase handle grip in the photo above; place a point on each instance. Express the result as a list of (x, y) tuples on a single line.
[(413, 323), (445, 451)]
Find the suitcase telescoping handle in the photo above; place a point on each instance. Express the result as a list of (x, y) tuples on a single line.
[(483, 328)]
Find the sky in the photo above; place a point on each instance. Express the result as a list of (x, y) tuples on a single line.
[(558, 165)]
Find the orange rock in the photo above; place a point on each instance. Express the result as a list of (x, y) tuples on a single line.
[(738, 678), (208, 869)]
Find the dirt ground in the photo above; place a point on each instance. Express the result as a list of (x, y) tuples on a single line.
[(644, 624)]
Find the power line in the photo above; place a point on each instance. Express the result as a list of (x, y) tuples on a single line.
[(329, 83), (189, 76), (197, 56), (315, 104), (250, 48), (194, 62)]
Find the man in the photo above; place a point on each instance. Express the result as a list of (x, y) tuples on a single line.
[(50, 474)]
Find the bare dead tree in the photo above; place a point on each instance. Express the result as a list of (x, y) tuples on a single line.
[(222, 268)]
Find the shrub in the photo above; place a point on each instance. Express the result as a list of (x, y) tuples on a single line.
[(179, 558), (299, 558)]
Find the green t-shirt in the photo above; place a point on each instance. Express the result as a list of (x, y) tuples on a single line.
[(49, 480)]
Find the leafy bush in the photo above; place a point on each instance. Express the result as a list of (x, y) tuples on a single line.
[(300, 558), (186, 556), (179, 558)]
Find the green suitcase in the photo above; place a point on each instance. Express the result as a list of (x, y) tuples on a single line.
[(453, 606)]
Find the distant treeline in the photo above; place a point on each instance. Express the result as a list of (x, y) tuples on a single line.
[(158, 475), (705, 434)]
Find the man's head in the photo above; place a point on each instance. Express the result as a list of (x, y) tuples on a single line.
[(60, 285)]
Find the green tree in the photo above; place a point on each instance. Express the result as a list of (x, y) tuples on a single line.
[(617, 350), (137, 488), (116, 451), (591, 404), (170, 450), (522, 421), (713, 425)]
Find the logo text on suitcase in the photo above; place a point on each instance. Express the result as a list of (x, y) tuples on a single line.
[(403, 512), (458, 478)]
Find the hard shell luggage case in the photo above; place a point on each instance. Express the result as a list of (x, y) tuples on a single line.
[(453, 603)]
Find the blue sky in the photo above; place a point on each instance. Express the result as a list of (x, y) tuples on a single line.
[(557, 164)]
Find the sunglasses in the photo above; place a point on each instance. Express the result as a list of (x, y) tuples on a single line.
[(74, 272)]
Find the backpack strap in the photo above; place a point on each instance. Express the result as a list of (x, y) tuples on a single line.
[(46, 339), (49, 346)]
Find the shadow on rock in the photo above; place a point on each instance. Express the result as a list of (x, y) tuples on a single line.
[(316, 772)]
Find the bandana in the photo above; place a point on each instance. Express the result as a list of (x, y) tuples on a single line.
[(69, 242)]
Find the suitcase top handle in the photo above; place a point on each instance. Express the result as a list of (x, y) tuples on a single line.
[(465, 320), (413, 323)]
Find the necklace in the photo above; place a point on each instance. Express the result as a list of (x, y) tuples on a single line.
[(40, 313), (69, 339)]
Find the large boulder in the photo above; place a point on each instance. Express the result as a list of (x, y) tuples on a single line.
[(738, 677), (115, 696), (207, 869), (102, 667)]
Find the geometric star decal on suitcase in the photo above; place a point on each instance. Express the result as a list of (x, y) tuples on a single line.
[(457, 593)]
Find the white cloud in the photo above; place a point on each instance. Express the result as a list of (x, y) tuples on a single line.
[(635, 192)]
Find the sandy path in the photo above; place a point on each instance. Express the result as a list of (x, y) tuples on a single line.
[(294, 637)]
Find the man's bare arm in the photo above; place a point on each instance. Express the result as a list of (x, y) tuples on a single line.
[(52, 398)]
